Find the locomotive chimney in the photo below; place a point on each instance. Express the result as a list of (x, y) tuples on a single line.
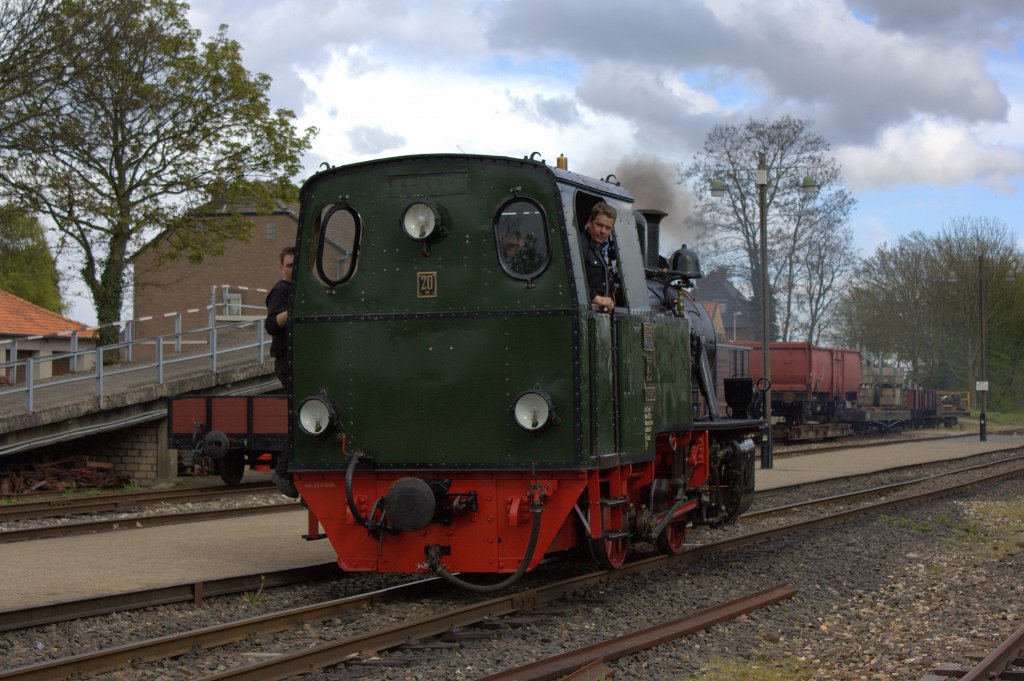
[(654, 218)]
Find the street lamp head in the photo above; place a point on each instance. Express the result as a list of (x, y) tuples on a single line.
[(717, 189), (809, 185)]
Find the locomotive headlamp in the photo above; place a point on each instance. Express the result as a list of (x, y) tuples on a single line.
[(317, 415), (533, 410), (421, 220)]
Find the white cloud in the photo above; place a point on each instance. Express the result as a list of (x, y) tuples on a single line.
[(931, 151), (918, 94), (806, 59), (1010, 74), (437, 110)]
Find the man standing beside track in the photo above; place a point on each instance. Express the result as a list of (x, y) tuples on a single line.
[(276, 325)]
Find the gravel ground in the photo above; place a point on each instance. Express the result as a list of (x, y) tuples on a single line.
[(887, 597), (880, 598)]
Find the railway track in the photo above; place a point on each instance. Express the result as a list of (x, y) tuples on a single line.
[(139, 522), (197, 591), (784, 449), (799, 449), (1005, 662), (76, 505), (194, 592), (1013, 454), (353, 649), (589, 662), (124, 503), (116, 511)]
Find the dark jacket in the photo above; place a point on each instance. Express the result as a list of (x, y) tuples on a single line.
[(277, 302), (599, 279)]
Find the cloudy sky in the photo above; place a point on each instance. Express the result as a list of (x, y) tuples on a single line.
[(921, 100)]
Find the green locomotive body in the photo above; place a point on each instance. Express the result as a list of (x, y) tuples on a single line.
[(442, 338)]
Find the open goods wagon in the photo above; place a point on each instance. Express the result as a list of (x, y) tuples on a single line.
[(810, 384), (226, 434)]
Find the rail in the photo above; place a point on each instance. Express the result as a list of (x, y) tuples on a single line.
[(999, 659), (95, 365), (339, 650)]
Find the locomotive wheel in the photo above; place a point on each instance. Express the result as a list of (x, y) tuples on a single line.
[(610, 553), (670, 541), (737, 480), (232, 468)]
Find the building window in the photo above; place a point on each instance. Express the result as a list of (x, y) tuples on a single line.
[(271, 231)]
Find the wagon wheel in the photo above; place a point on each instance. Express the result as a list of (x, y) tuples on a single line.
[(671, 539), (610, 551), (232, 468)]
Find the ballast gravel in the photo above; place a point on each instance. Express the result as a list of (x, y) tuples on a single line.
[(884, 597)]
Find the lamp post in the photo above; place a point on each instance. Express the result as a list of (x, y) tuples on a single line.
[(766, 310), (982, 385), (734, 316), (718, 188)]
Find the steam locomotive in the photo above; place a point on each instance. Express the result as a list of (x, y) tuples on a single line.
[(459, 405)]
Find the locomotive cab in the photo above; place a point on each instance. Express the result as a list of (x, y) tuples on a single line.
[(459, 405)]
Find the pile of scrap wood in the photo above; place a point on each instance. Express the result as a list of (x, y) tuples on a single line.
[(59, 476)]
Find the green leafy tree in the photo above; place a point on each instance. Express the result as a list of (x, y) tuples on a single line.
[(30, 31), (893, 307), (918, 304), (26, 265), (809, 245), (982, 262), (147, 126)]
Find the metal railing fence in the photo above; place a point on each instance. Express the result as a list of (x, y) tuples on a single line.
[(212, 350)]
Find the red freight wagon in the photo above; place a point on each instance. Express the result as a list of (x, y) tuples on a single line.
[(923, 404), (227, 433), (807, 380)]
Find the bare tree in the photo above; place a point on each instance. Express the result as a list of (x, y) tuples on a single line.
[(797, 222), (826, 264)]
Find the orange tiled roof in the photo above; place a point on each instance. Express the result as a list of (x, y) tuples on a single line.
[(19, 317)]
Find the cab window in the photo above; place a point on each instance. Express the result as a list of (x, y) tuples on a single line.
[(584, 204), (336, 244), (521, 237)]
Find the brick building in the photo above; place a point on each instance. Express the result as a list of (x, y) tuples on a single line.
[(236, 281)]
